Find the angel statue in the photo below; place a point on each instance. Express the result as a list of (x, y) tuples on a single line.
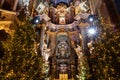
[(45, 52)]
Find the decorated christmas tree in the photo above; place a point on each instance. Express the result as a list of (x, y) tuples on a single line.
[(19, 60), (104, 65)]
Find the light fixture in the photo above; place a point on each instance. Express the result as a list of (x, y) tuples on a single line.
[(91, 31), (36, 20), (91, 18)]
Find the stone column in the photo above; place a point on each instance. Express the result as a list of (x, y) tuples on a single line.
[(42, 35), (2, 2), (15, 5), (84, 41), (91, 6)]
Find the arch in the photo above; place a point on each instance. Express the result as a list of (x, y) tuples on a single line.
[(6, 5), (55, 2)]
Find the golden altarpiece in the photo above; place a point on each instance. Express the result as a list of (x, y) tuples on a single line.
[(60, 27)]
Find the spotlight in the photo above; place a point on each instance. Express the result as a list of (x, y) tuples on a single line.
[(91, 31), (36, 20), (91, 18)]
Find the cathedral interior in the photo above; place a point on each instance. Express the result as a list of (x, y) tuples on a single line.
[(64, 31)]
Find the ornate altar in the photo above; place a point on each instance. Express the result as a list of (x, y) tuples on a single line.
[(63, 60), (61, 42)]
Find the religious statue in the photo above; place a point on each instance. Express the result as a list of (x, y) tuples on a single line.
[(45, 52), (62, 49), (90, 46), (79, 51), (40, 8), (61, 11), (81, 7)]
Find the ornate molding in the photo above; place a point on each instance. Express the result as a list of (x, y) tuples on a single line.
[(5, 22), (6, 11)]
